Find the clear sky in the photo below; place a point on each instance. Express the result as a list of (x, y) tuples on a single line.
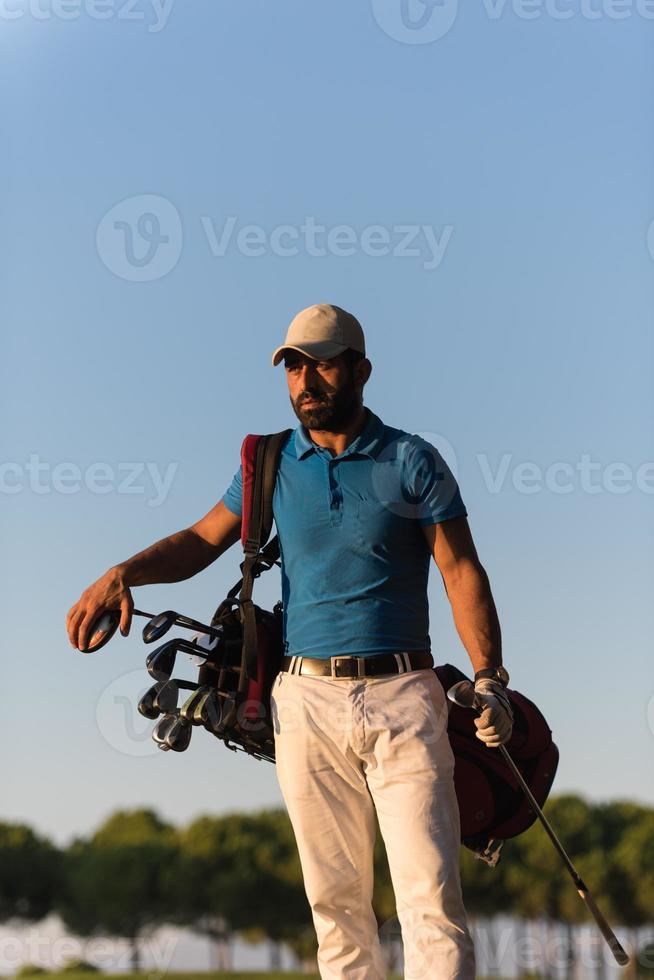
[(476, 188)]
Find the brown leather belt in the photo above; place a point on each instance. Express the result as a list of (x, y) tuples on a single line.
[(373, 666)]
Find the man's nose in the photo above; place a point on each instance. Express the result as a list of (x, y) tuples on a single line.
[(307, 371)]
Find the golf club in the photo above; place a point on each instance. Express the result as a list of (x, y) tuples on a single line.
[(178, 736), (463, 694), (187, 711), (208, 711), (161, 729), (206, 643), (166, 698), (160, 662), (105, 626), (146, 706), (162, 622)]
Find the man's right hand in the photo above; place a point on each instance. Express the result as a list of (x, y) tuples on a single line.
[(109, 592), (173, 559)]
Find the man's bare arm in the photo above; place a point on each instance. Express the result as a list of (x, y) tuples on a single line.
[(468, 590), (177, 557), (184, 554)]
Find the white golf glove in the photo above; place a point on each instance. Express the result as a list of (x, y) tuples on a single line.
[(495, 723)]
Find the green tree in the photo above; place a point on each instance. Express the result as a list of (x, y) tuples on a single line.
[(30, 874), (119, 882), (241, 873), (632, 879)]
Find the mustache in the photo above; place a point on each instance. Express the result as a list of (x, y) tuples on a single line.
[(310, 398)]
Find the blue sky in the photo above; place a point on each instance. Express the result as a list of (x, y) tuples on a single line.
[(163, 171)]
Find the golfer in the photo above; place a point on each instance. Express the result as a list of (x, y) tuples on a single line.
[(360, 717)]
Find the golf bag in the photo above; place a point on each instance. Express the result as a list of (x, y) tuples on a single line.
[(492, 807), (249, 654)]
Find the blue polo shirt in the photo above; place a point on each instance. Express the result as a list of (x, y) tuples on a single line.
[(355, 561)]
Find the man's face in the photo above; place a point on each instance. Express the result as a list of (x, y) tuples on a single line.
[(324, 394)]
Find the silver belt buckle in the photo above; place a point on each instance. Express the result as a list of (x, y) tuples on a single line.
[(334, 665)]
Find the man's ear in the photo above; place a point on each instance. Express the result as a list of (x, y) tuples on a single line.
[(363, 370)]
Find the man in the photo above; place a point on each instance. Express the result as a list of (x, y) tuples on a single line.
[(360, 716)]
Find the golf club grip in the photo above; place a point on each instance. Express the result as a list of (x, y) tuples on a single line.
[(612, 940)]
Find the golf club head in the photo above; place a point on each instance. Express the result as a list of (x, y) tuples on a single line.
[(205, 643), (161, 661), (229, 710), (187, 711), (162, 622), (165, 700), (178, 736), (158, 626), (463, 694), (209, 712), (146, 705), (199, 711), (161, 730), (102, 630)]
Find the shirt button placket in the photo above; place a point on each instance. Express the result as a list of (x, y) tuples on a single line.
[(335, 495)]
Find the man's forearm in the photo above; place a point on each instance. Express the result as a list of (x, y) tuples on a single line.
[(177, 557), (475, 615)]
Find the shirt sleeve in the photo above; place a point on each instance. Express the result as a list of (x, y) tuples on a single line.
[(429, 484), (233, 496)]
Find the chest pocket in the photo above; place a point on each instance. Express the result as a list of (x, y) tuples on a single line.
[(375, 523)]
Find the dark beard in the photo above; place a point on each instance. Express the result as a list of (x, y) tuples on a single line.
[(333, 413)]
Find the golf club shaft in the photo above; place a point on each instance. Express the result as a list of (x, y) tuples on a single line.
[(583, 890), (194, 624)]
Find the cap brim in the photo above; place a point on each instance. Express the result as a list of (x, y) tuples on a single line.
[(322, 350)]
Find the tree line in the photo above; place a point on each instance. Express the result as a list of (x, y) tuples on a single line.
[(239, 874)]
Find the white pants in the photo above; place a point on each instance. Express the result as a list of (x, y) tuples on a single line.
[(345, 746)]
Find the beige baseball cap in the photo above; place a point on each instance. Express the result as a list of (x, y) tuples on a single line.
[(321, 332)]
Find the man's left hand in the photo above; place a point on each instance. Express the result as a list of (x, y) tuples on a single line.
[(495, 723)]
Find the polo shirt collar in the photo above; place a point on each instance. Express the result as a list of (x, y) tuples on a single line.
[(367, 443)]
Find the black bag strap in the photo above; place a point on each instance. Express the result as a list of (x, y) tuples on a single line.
[(258, 558)]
